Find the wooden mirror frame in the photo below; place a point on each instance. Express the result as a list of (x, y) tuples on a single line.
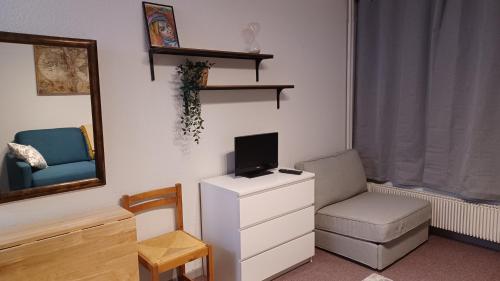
[(100, 179)]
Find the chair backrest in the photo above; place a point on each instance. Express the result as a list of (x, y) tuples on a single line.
[(338, 177), (153, 199)]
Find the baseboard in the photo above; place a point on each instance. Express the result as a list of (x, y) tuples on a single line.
[(465, 238)]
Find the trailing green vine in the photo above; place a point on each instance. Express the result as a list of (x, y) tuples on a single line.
[(191, 75)]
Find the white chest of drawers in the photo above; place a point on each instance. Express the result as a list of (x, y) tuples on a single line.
[(258, 227)]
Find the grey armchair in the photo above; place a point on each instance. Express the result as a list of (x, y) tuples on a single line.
[(372, 228)]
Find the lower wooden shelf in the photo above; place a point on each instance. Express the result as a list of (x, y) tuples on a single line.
[(278, 88)]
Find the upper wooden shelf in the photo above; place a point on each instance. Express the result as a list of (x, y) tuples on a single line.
[(278, 89), (209, 54)]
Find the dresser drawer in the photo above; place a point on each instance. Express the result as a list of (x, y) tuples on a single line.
[(266, 205), (264, 236), (278, 259)]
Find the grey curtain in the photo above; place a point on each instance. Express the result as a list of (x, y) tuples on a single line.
[(427, 100)]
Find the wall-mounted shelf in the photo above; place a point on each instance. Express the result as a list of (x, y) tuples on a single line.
[(221, 54), (278, 89), (207, 53)]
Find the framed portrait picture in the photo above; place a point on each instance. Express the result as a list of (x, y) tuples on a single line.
[(61, 71), (160, 23)]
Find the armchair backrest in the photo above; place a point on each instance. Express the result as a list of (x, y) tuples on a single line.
[(338, 177), (57, 146)]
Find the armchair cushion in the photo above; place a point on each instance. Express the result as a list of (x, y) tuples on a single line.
[(88, 134), (338, 177), (374, 217), (28, 154), (64, 173)]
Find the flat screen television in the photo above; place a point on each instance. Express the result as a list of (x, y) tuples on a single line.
[(254, 155)]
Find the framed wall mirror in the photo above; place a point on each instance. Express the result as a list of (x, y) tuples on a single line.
[(51, 138)]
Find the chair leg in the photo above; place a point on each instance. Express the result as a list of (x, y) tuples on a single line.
[(210, 264), (181, 272), (155, 275)]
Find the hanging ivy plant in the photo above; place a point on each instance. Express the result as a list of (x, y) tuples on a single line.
[(191, 74)]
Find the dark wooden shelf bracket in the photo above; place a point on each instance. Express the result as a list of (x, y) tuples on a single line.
[(278, 96), (151, 65), (257, 66)]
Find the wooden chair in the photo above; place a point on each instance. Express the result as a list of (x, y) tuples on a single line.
[(170, 250)]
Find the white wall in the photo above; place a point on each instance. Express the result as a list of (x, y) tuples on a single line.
[(142, 147), (22, 109)]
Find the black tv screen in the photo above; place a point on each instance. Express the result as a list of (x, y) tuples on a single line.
[(255, 154)]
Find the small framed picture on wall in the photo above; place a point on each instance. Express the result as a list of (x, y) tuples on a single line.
[(160, 23)]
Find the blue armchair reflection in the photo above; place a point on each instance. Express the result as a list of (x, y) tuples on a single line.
[(66, 151)]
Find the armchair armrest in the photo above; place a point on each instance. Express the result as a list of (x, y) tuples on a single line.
[(19, 173)]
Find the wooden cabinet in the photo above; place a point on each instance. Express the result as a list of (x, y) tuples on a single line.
[(258, 227), (99, 246)]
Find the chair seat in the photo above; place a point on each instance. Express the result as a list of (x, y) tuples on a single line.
[(374, 216), (172, 249)]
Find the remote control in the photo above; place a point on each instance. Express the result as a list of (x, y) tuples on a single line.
[(287, 171)]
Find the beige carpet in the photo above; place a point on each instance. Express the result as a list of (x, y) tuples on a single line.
[(438, 259)]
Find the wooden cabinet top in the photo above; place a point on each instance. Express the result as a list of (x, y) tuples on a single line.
[(23, 234)]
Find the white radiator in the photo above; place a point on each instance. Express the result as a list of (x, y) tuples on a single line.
[(476, 220)]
